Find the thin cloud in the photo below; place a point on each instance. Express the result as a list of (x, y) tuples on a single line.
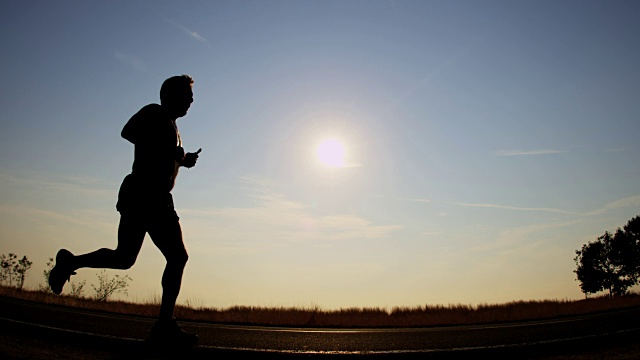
[(528, 152), (277, 219), (419, 200), (512, 239), (69, 184), (422, 200), (517, 208), (614, 150), (499, 206), (192, 34), (630, 201), (130, 60), (84, 218), (441, 68), (492, 206), (431, 233)]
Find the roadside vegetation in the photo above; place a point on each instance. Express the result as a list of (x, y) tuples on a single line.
[(608, 266), (426, 315)]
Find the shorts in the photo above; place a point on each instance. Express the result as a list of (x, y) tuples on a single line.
[(134, 199)]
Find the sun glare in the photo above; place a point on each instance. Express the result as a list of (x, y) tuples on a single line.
[(331, 152)]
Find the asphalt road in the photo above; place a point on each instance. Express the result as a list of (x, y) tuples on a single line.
[(38, 331)]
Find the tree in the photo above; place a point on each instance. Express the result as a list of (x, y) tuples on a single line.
[(110, 286), (77, 289), (46, 273), (612, 262), (13, 270), (21, 268), (7, 264)]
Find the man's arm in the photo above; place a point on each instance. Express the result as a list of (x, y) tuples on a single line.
[(190, 159)]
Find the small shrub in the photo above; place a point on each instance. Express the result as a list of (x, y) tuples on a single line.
[(108, 287)]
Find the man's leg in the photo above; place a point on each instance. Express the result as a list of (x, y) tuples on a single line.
[(167, 235), (131, 233)]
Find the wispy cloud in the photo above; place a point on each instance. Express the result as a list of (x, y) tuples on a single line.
[(630, 201), (431, 233), (527, 152), (278, 219), (517, 208), (410, 199), (485, 205), (445, 66), (420, 200), (69, 184), (92, 219), (130, 60), (191, 33), (614, 150), (513, 238)]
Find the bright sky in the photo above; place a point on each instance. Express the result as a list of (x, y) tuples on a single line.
[(354, 153)]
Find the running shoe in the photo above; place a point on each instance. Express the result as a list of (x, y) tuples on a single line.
[(61, 272), (168, 333)]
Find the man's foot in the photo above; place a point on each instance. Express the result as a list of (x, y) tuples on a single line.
[(169, 333), (61, 272)]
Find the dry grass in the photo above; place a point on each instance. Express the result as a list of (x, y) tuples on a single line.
[(427, 315)]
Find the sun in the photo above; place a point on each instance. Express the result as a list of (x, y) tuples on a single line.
[(331, 153)]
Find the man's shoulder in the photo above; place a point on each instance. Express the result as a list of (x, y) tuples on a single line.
[(150, 110), (142, 122), (149, 113)]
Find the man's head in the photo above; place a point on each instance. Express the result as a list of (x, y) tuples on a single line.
[(176, 95)]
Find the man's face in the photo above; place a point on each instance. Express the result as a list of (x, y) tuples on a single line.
[(180, 103), (183, 102)]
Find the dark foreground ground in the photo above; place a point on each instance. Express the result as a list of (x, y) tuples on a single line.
[(31, 330), (25, 342)]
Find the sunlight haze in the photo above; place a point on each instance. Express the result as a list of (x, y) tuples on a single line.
[(470, 147), (331, 152)]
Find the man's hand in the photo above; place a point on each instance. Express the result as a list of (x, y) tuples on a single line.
[(190, 159)]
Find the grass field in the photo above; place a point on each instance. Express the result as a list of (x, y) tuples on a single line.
[(423, 315)]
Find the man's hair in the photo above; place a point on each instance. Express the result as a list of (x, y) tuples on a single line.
[(173, 86)]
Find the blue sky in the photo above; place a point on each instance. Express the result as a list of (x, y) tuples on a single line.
[(485, 142)]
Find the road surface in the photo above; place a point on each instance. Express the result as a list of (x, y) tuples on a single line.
[(33, 330)]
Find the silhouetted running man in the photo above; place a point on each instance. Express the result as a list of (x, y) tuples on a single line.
[(146, 205)]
